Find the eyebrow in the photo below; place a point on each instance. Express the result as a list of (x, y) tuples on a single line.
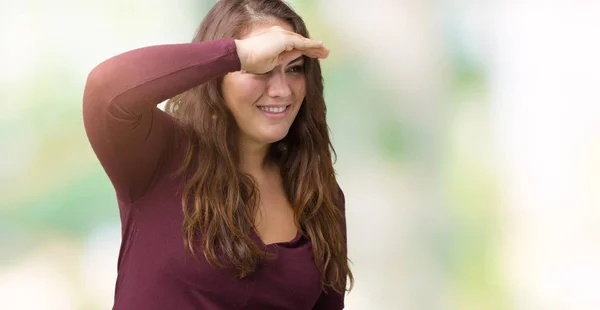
[(296, 60)]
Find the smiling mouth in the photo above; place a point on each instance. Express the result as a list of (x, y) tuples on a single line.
[(274, 109)]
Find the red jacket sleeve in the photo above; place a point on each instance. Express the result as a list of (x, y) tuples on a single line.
[(131, 137)]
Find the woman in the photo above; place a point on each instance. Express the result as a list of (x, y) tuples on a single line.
[(229, 200)]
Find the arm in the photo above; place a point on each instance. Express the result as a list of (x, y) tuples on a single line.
[(131, 137), (333, 300)]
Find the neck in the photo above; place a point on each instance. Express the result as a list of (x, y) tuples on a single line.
[(253, 156)]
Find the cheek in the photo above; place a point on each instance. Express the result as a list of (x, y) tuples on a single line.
[(299, 88), (241, 92), (249, 91)]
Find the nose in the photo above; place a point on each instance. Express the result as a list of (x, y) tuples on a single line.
[(278, 85)]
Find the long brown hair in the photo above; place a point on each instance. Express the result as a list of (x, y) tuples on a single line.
[(219, 201)]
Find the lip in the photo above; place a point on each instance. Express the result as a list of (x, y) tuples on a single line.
[(275, 116)]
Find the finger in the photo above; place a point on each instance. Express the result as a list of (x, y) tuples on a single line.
[(300, 43), (322, 52), (288, 56), (313, 54), (310, 54)]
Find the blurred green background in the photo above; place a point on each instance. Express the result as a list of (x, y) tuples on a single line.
[(467, 135)]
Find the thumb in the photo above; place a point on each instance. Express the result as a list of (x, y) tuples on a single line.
[(286, 57)]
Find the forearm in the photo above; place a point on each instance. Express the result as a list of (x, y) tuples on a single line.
[(142, 78)]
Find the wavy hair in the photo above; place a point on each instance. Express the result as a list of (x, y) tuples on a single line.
[(220, 201)]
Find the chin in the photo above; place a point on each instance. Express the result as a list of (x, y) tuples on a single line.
[(273, 137)]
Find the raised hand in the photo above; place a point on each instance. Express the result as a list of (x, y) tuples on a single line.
[(264, 51)]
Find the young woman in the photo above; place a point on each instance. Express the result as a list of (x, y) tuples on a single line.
[(229, 200)]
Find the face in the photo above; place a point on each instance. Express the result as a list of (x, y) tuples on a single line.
[(265, 105)]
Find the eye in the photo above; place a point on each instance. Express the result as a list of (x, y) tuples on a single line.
[(296, 69)]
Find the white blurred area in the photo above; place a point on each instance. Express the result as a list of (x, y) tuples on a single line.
[(536, 130), (543, 67), (545, 74)]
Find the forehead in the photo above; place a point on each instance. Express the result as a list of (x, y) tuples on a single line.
[(265, 25)]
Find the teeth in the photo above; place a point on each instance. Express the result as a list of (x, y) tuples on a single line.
[(273, 109)]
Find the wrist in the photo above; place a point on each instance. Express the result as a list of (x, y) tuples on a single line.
[(239, 50)]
